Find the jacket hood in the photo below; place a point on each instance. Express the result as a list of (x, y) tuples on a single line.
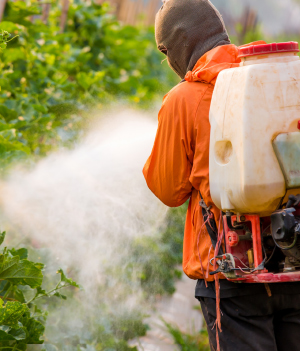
[(186, 29), (213, 62)]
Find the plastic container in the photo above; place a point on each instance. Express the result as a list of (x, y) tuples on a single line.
[(251, 106)]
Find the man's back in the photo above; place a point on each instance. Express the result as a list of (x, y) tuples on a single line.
[(178, 167)]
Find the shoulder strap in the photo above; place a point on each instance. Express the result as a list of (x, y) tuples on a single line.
[(211, 225)]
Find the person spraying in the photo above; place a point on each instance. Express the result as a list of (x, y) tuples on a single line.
[(248, 317)]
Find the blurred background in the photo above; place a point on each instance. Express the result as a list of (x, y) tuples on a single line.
[(276, 17), (81, 85)]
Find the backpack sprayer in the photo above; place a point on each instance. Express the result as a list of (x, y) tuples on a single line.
[(255, 164)]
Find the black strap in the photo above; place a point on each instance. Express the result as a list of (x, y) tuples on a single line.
[(211, 225)]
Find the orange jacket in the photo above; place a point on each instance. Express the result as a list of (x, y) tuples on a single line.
[(178, 166)]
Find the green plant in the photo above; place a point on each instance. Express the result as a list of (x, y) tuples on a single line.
[(248, 35), (158, 257), (21, 321), (187, 342), (4, 39), (50, 81)]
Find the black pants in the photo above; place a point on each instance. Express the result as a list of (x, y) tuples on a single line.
[(255, 322)]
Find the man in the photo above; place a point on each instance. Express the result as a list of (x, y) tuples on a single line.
[(192, 35)]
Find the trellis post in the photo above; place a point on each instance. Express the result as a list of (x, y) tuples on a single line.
[(2, 8), (64, 14)]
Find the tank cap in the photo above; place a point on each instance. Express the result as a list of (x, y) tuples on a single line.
[(265, 49)]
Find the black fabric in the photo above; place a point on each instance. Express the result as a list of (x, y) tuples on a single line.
[(210, 224), (255, 322), (186, 29), (230, 289), (212, 230)]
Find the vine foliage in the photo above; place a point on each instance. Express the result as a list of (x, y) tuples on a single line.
[(21, 321)]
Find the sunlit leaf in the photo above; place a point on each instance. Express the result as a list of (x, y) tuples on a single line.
[(21, 272), (22, 253), (11, 313)]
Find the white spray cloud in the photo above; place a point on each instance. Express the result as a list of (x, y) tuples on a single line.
[(86, 205)]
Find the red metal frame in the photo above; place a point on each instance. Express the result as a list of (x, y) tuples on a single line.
[(269, 278), (259, 276), (240, 250)]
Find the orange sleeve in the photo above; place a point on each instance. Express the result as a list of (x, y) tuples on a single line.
[(169, 166), (200, 171)]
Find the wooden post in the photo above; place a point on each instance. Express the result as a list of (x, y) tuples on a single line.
[(2, 8), (152, 8), (122, 10), (64, 14), (45, 12), (129, 11), (249, 21)]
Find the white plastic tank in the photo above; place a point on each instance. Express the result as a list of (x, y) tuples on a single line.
[(252, 106)]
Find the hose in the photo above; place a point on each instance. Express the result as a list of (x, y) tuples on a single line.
[(287, 247)]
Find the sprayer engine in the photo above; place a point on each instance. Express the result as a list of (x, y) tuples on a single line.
[(262, 249), (285, 229)]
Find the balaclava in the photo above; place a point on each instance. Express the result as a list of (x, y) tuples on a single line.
[(186, 29)]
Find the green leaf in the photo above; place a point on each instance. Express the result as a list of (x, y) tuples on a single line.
[(18, 11), (84, 80), (7, 113), (22, 253), (4, 285), (5, 336), (35, 330), (21, 272), (18, 295), (69, 281), (6, 145), (9, 26), (57, 294), (18, 334), (40, 108), (9, 266), (41, 292), (2, 237), (11, 313), (13, 54), (39, 265), (9, 134)]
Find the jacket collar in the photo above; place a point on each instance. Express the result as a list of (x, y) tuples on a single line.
[(214, 61)]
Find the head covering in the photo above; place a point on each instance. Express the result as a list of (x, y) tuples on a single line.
[(186, 29)]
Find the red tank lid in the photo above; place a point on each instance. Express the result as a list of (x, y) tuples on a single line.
[(265, 49)]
